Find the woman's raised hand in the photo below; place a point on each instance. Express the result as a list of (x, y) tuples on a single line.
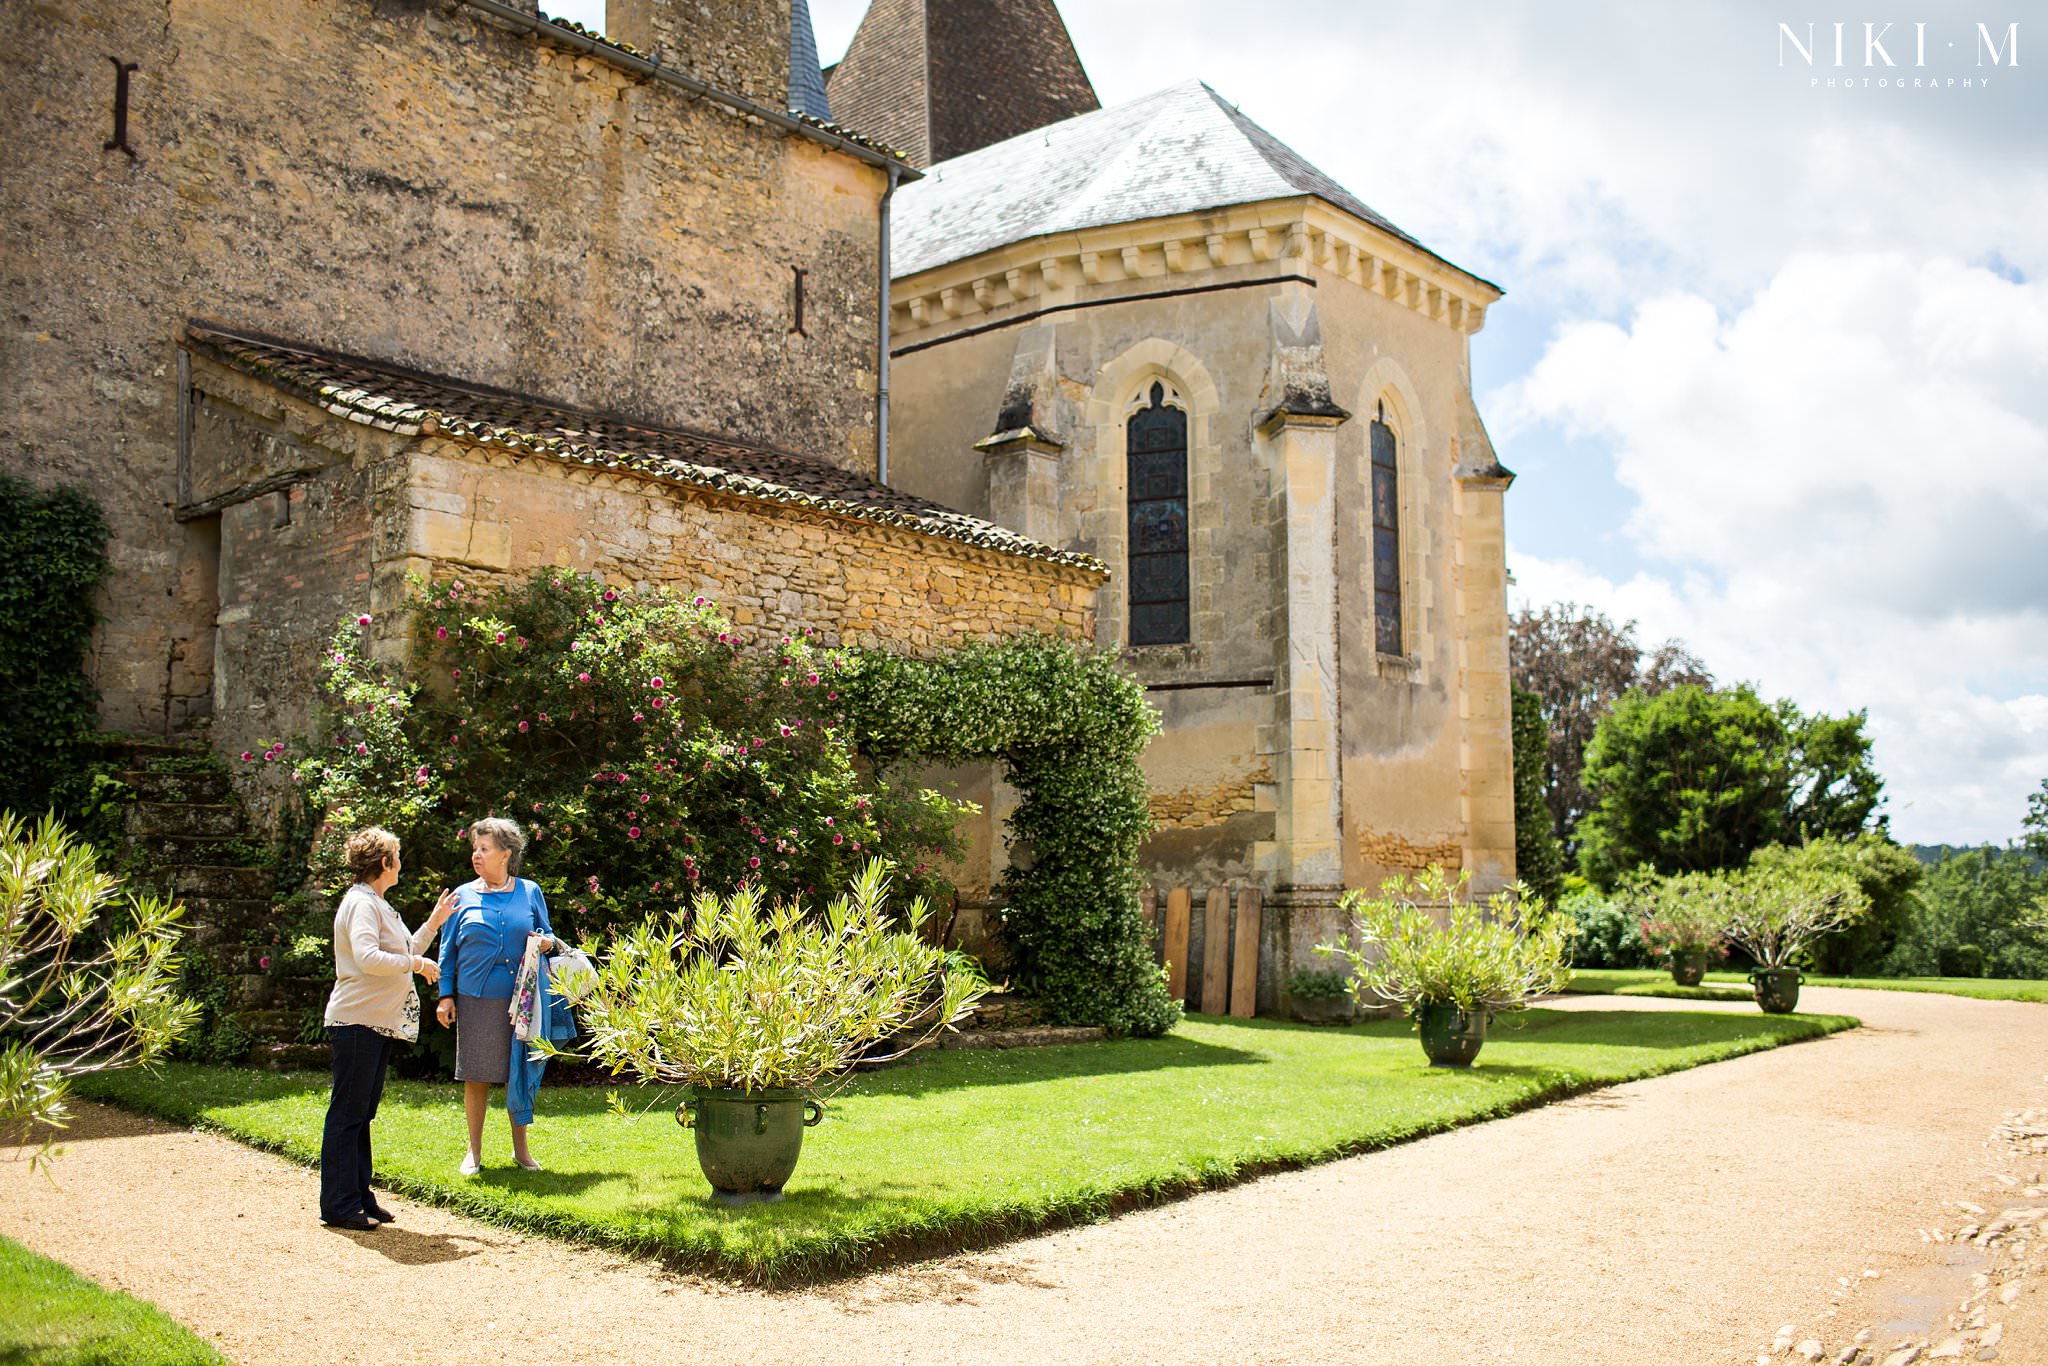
[(444, 907), (445, 1012)]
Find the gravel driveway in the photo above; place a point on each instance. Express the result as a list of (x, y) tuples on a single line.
[(1770, 1206)]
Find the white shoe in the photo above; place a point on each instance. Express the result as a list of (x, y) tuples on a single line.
[(529, 1164), (470, 1165)]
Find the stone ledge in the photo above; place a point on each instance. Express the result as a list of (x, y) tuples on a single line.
[(1034, 1036)]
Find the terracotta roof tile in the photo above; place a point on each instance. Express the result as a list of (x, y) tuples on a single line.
[(401, 400)]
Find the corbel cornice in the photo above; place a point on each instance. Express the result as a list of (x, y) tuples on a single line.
[(1305, 233)]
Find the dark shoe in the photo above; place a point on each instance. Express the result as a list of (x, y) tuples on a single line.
[(354, 1222), (376, 1211)]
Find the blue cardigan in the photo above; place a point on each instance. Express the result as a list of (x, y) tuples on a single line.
[(486, 937)]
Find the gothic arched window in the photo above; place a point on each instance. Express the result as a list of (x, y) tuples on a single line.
[(1157, 495), (1386, 538)]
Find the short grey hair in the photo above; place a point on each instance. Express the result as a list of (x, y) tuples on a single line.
[(506, 835)]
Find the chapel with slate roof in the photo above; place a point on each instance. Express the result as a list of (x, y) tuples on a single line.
[(1156, 335)]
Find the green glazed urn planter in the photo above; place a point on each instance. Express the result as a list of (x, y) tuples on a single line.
[(1689, 969), (748, 1141), (1777, 989), (1451, 1036)]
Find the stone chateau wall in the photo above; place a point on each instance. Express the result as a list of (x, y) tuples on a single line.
[(409, 180)]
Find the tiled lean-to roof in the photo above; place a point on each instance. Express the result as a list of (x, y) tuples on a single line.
[(409, 402)]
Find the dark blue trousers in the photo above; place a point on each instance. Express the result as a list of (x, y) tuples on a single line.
[(360, 1056)]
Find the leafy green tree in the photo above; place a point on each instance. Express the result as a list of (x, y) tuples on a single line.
[(2035, 823), (1978, 918), (1835, 790), (1578, 663), (1696, 781), (1539, 858), (1889, 878)]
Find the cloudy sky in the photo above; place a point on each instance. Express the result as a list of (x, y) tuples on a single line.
[(1773, 364)]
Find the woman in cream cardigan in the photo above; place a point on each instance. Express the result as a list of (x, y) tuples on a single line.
[(372, 1005)]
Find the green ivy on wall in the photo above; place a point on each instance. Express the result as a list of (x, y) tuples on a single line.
[(1069, 729), (53, 556)]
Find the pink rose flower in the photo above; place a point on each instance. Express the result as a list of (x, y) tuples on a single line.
[(247, 756), (264, 961), (440, 633), (363, 620), (522, 728), (753, 863), (632, 832), (582, 678)]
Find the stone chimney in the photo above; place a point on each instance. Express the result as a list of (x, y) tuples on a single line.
[(740, 46)]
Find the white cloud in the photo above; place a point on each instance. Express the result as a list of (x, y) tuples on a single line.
[(1842, 494)]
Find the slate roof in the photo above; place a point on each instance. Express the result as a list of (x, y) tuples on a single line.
[(940, 78), (406, 401), (1182, 150), (806, 80)]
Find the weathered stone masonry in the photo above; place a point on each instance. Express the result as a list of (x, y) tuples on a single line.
[(373, 487), (412, 180)]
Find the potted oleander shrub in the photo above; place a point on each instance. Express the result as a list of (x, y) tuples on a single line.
[(1775, 915), (756, 1005), (1453, 962), (1681, 919), (1321, 995)]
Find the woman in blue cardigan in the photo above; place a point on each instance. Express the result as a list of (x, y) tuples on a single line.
[(480, 952)]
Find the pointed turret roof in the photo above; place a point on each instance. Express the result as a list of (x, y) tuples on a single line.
[(806, 81), (1182, 150), (940, 78)]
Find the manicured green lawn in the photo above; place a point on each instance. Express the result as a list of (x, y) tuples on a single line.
[(962, 1148), (52, 1316), (1735, 986)]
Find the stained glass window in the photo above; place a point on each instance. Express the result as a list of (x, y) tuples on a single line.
[(1386, 539), (1157, 495)]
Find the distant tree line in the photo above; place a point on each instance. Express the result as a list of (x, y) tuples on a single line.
[(1634, 760)]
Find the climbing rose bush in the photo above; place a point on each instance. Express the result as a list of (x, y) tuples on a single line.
[(647, 754)]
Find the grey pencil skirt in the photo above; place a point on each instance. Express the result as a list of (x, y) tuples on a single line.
[(483, 1038)]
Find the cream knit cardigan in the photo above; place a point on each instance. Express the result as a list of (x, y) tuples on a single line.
[(373, 962)]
